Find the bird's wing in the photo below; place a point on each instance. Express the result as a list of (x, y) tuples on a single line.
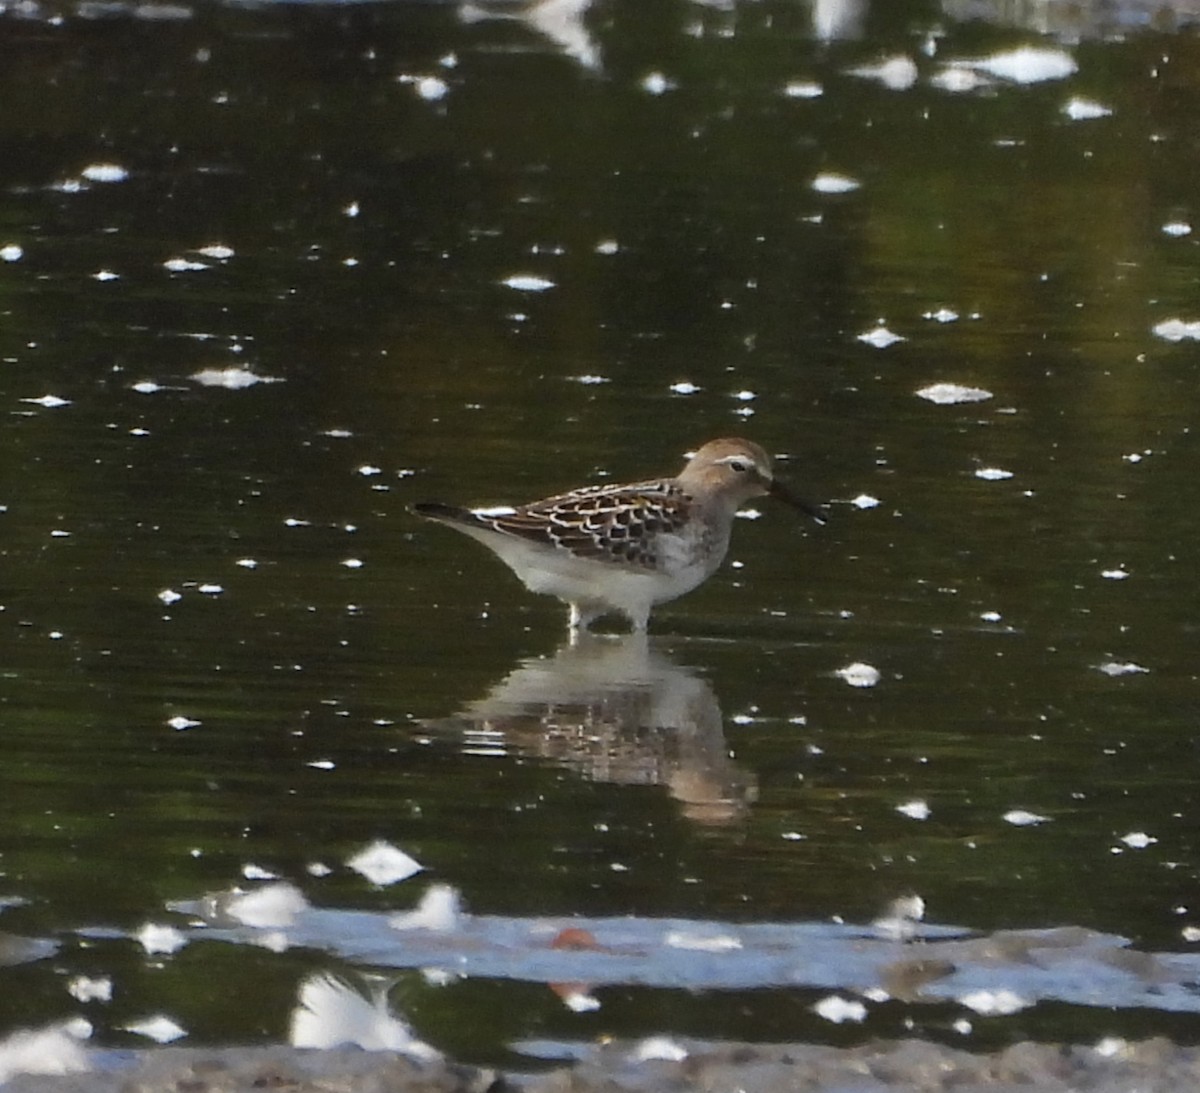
[(606, 523)]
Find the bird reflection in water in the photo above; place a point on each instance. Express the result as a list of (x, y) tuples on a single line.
[(618, 710)]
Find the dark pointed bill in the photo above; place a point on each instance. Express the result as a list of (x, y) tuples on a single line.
[(778, 490)]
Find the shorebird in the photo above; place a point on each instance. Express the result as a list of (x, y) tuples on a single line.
[(624, 549)]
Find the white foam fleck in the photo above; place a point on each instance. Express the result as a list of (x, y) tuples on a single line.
[(431, 88), (383, 864), (170, 596), (1020, 817), (838, 1009), (104, 172), (1115, 668), (50, 402), (1026, 65), (685, 387), (439, 909), (160, 939), (865, 501), (274, 906), (859, 674), (1117, 574), (1175, 228), (880, 337), (1138, 840), (12, 252), (994, 1003), (830, 182), (159, 1028), (232, 379), (184, 265), (959, 81), (85, 989), (1081, 109), (105, 275), (947, 394), (941, 315), (179, 723), (655, 83), (803, 89), (660, 1047), (1177, 330), (527, 282), (992, 474), (54, 1049), (897, 73), (915, 810)]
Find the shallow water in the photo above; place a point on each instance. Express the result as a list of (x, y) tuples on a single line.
[(272, 273)]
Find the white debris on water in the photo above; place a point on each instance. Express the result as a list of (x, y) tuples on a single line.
[(830, 182), (439, 909), (160, 1028), (49, 402), (915, 810), (859, 674), (865, 501), (12, 252), (104, 172), (897, 73), (274, 906), (994, 1003), (184, 265), (1026, 65), (880, 337), (655, 83), (53, 1049), (1020, 817), (383, 864), (838, 1009), (684, 387), (992, 474), (217, 250), (169, 596), (1118, 574), (527, 282), (179, 723), (948, 394), (1138, 840), (660, 1047), (942, 315), (232, 379), (1115, 668), (802, 89), (155, 938), (1175, 228), (1177, 330), (1081, 109), (85, 989)]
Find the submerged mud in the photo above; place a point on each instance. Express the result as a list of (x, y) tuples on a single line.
[(912, 1066)]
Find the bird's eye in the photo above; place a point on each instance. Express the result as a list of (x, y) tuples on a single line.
[(739, 465)]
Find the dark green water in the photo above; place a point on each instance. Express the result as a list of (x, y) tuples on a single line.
[(658, 171)]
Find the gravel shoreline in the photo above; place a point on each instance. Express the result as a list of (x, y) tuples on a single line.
[(910, 1066)]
